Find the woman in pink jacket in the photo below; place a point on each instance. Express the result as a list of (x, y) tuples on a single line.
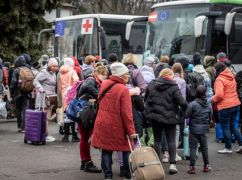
[(67, 78)]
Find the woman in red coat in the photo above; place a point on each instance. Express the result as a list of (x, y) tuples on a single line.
[(114, 120)]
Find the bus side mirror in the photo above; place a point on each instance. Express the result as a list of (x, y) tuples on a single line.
[(228, 22), (102, 37), (128, 30), (198, 25)]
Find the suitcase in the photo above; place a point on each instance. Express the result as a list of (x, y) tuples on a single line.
[(144, 163), (35, 126)]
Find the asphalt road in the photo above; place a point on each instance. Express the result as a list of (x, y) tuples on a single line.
[(60, 161)]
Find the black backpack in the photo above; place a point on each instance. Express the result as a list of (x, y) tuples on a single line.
[(194, 79)]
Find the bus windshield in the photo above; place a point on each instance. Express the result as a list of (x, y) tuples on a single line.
[(172, 31), (70, 40)]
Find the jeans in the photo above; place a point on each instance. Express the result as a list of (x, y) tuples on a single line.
[(194, 139), (106, 163), (22, 104), (227, 118), (170, 131), (164, 143), (84, 144), (67, 127)]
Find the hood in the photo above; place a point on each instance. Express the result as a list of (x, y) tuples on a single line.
[(131, 67), (203, 102), (147, 68), (86, 66), (200, 69), (163, 84), (210, 62), (75, 61), (226, 74), (65, 69)]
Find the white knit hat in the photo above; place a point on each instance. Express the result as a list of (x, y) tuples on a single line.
[(52, 62), (69, 61), (118, 69)]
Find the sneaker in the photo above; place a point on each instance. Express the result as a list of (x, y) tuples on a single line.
[(19, 129), (225, 151), (82, 167), (90, 167), (192, 170), (239, 150), (173, 169), (50, 139), (207, 168), (108, 178), (22, 131), (178, 158), (165, 158)]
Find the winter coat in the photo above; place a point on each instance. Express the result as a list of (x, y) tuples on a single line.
[(199, 113), (148, 73), (238, 79), (68, 77), (181, 84), (209, 92), (1, 81), (89, 89), (114, 119), (137, 78), (14, 86), (87, 70), (209, 67), (5, 76), (225, 89), (162, 99), (44, 81), (77, 67)]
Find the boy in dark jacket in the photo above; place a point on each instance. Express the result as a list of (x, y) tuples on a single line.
[(199, 113)]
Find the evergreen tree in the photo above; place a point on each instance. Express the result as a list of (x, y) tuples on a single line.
[(20, 23)]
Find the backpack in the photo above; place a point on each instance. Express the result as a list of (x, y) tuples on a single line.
[(27, 77), (194, 80), (72, 92)]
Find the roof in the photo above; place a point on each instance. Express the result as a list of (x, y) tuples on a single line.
[(102, 16), (186, 2)]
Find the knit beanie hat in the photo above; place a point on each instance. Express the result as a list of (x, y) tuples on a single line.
[(221, 57), (69, 61), (196, 58), (149, 61), (118, 69), (52, 62)]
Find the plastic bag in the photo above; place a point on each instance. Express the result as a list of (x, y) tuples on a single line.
[(60, 116), (3, 110)]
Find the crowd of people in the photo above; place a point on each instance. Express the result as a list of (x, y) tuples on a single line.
[(154, 101)]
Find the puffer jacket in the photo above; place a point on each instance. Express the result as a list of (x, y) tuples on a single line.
[(162, 100), (199, 113), (148, 73), (225, 89), (87, 70), (181, 84)]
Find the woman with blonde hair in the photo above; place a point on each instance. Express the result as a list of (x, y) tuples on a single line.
[(162, 99), (136, 77)]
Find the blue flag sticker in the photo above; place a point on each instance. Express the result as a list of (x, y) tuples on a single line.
[(163, 15), (60, 28)]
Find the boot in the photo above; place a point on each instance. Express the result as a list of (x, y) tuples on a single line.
[(82, 167), (90, 167), (65, 138), (75, 139)]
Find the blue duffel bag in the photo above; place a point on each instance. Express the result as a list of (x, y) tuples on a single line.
[(74, 108)]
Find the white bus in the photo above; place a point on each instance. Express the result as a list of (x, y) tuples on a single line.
[(171, 29), (99, 35)]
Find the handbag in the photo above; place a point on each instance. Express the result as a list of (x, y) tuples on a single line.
[(51, 100), (89, 112)]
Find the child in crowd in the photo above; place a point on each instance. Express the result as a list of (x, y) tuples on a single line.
[(199, 113)]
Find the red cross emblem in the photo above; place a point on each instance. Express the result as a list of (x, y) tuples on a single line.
[(87, 25)]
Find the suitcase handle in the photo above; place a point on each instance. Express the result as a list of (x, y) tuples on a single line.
[(43, 107), (130, 146)]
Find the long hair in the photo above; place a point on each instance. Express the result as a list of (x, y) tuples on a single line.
[(177, 68)]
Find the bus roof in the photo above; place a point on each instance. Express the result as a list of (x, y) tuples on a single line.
[(101, 16), (181, 2)]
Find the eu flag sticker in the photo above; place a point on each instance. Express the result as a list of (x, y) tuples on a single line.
[(60, 28), (163, 15)]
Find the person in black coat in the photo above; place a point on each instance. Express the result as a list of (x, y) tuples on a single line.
[(163, 99), (199, 113), (21, 99)]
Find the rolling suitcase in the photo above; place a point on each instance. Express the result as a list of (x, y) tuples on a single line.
[(144, 163), (35, 125)]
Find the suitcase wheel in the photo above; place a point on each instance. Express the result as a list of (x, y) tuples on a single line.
[(43, 142)]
